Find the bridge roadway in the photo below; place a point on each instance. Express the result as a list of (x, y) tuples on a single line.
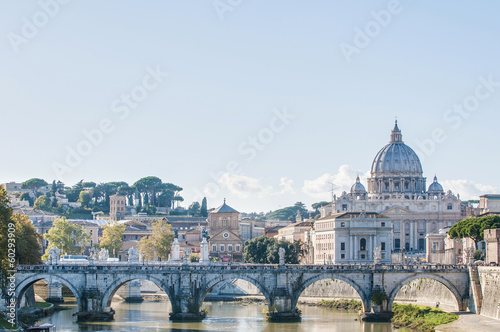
[(187, 284)]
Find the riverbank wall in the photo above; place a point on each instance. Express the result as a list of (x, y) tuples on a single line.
[(489, 278)]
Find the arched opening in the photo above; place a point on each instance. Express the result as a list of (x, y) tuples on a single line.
[(43, 290), (427, 291), (252, 295), (336, 289), (135, 291)]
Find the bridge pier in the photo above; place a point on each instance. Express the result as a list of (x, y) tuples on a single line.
[(54, 292), (283, 310), (91, 309), (185, 298)]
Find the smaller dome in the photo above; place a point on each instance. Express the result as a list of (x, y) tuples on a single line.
[(358, 188), (435, 187)]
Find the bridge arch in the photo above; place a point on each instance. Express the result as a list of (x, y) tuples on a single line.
[(23, 286), (443, 281), (205, 288), (306, 283), (111, 290)]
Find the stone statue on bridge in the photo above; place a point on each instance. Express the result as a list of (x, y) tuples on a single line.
[(54, 255), (133, 255), (103, 254), (281, 253)]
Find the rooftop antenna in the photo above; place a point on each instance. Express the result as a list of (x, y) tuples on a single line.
[(334, 186)]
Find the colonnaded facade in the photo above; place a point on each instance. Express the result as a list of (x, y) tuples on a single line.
[(397, 190)]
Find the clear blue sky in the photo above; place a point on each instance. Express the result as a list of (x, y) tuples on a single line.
[(228, 77)]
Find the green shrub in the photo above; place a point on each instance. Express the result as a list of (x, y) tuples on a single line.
[(420, 318)]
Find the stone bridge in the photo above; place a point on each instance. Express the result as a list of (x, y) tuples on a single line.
[(187, 285)]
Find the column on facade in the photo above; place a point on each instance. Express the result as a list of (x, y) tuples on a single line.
[(412, 235), (351, 248), (402, 234), (370, 247), (356, 254)]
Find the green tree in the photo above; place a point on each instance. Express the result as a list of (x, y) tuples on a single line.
[(265, 250), (204, 209), (89, 184), (289, 213), (26, 197), (194, 209), (159, 242), (474, 228), (5, 220), (34, 184), (112, 237), (147, 248), (149, 185), (68, 237), (73, 193), (293, 252), (42, 203), (256, 249), (28, 249), (85, 198)]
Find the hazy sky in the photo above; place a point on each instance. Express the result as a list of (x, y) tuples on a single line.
[(262, 102)]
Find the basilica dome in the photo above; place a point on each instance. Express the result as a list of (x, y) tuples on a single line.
[(396, 158), (358, 188), (396, 170), (435, 187)]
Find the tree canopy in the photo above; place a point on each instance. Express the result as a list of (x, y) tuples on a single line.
[(28, 249), (68, 237), (34, 184), (159, 242), (43, 203), (474, 227), (204, 210), (289, 213), (264, 250), (112, 238)]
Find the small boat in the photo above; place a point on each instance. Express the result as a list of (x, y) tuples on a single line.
[(43, 328)]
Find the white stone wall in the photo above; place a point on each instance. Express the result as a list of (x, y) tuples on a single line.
[(490, 287)]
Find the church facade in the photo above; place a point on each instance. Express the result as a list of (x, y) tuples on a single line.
[(225, 244), (397, 190)]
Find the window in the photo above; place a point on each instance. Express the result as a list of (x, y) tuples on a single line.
[(396, 227), (344, 207), (222, 248), (214, 248), (363, 256), (382, 246), (397, 244), (421, 244), (342, 224), (229, 247), (407, 227), (224, 222), (342, 246), (214, 222), (237, 247), (382, 224), (362, 244), (342, 256), (382, 256), (450, 206)]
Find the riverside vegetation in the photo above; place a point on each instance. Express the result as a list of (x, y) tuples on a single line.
[(415, 317), (420, 318)]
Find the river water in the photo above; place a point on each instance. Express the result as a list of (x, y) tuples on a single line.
[(222, 316)]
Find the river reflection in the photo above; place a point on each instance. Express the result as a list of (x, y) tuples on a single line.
[(222, 316)]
